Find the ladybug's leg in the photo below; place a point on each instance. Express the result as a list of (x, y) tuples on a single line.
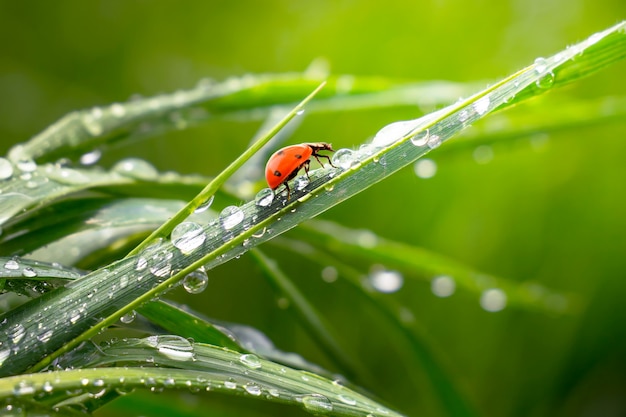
[(306, 165), (288, 190), (318, 156)]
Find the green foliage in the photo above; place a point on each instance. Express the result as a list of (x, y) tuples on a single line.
[(75, 241)]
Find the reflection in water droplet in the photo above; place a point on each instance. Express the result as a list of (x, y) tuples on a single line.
[(230, 217), (205, 206), (253, 389), (230, 384), (195, 282), (128, 317), (188, 236), (346, 399), (264, 197), (136, 168), (425, 168), (343, 158), (6, 169), (541, 65), (443, 286), (483, 154), (316, 404), (301, 182), (386, 281), (493, 300), (15, 332), (26, 165), (434, 141)]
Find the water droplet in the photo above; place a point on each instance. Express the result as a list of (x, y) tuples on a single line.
[(230, 384), (541, 65), (394, 131), (12, 265), (344, 158), (483, 154), (316, 404), (386, 281), (301, 182), (29, 272), (6, 169), (546, 81), (23, 388), (136, 168), (300, 112), (91, 158), (330, 274), (425, 168), (253, 389), (26, 165), (128, 317), (230, 217), (482, 105), (45, 336), (346, 399), (443, 286), (47, 387), (92, 123), (434, 141), (188, 236), (159, 263), (195, 282), (205, 206), (174, 347), (141, 264), (250, 360), (124, 281), (493, 300), (66, 175), (16, 332), (421, 138), (4, 354), (264, 197), (74, 316)]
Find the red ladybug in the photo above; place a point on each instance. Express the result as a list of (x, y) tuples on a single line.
[(285, 164)]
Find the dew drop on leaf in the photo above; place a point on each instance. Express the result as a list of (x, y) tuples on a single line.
[(196, 281), (188, 236), (230, 217)]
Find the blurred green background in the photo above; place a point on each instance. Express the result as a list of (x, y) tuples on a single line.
[(552, 214)]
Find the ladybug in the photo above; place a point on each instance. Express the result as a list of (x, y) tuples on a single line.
[(285, 164)]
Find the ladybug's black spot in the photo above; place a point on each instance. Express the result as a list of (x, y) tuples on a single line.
[(277, 174), (298, 156)]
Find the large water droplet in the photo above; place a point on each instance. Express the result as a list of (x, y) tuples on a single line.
[(434, 141), (136, 168), (188, 236), (346, 399), (443, 286), (250, 360), (66, 175), (159, 263), (316, 404), (29, 272), (264, 197), (386, 281), (425, 168), (493, 300), (230, 217), (344, 158), (26, 165), (393, 132), (196, 281), (545, 81), (541, 65), (6, 169), (12, 265), (174, 347)]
